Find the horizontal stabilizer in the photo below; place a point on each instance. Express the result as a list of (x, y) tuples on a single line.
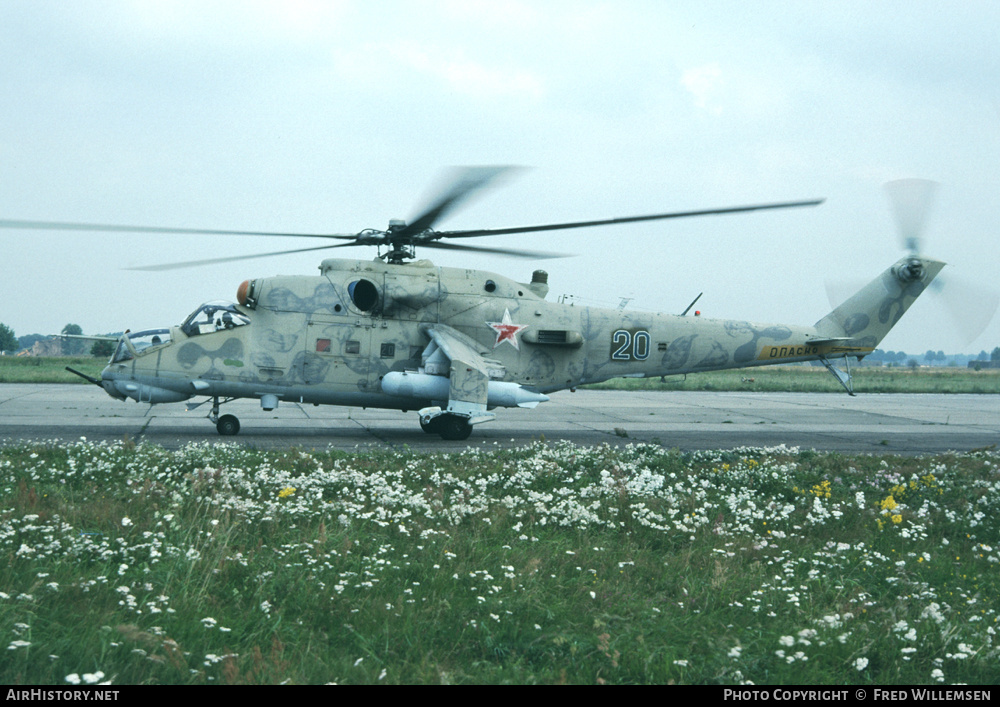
[(832, 341), (842, 345)]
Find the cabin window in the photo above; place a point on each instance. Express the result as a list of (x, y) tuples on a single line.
[(352, 347), (323, 345)]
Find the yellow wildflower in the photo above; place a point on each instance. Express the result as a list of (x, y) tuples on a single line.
[(821, 490)]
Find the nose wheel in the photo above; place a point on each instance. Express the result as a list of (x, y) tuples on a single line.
[(227, 425)]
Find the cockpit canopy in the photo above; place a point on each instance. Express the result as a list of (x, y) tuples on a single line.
[(214, 316), (140, 341)]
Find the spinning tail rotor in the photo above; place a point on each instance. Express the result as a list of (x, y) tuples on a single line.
[(970, 306)]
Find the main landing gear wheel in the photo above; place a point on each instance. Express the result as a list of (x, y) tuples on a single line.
[(453, 427), (228, 425), (431, 427)]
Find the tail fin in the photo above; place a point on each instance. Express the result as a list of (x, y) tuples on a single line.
[(867, 316)]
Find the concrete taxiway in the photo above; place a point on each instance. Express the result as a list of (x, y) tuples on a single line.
[(879, 424)]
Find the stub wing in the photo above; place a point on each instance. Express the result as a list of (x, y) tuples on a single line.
[(457, 346)]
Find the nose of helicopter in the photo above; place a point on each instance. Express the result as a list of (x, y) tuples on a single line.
[(123, 379), (107, 381), (114, 373)]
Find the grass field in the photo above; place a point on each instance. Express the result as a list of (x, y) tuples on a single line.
[(544, 564), (803, 379), (775, 379), (37, 369)]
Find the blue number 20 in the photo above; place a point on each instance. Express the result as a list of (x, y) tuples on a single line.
[(630, 346)]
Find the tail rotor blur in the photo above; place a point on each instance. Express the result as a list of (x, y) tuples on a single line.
[(970, 307), (910, 201)]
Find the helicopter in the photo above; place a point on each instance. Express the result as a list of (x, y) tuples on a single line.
[(452, 344)]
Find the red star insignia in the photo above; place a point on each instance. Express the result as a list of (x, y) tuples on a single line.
[(506, 330)]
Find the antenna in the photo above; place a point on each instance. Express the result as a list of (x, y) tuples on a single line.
[(692, 304)]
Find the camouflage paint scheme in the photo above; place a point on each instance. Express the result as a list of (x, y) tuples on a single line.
[(308, 340)]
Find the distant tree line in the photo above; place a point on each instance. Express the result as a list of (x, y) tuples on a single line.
[(888, 356), (940, 358)]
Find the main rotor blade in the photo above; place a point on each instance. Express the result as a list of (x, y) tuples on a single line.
[(117, 228), (232, 258), (615, 221), (464, 182), (512, 252)]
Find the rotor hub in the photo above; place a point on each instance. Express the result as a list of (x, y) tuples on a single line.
[(911, 271)]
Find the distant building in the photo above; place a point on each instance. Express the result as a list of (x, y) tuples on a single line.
[(47, 347)]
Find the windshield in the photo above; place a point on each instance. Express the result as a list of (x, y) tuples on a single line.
[(122, 353), (140, 341), (212, 317)]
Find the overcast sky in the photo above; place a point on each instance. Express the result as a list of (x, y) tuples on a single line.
[(337, 116)]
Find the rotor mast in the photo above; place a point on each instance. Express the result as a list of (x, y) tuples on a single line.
[(401, 246)]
